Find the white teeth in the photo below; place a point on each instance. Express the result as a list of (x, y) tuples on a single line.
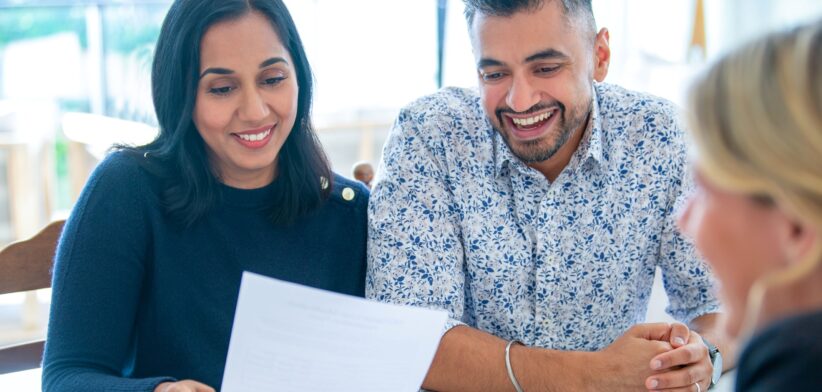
[(254, 137), (531, 120)]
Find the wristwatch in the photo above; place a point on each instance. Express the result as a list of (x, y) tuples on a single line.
[(716, 361)]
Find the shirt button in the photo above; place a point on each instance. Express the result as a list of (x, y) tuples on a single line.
[(348, 194)]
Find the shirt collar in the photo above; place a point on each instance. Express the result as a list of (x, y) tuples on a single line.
[(590, 145), (503, 156), (593, 134)]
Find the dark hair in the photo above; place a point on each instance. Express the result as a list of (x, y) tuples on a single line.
[(572, 8), (178, 154)]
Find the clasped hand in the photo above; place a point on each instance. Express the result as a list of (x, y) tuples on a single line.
[(657, 357)]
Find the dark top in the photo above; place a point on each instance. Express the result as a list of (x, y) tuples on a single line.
[(786, 356), (136, 300)]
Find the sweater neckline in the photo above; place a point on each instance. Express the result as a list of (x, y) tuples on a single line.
[(258, 197)]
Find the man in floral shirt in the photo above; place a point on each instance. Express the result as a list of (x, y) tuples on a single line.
[(537, 211)]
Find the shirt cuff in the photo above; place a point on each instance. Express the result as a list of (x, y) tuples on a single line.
[(687, 315), (451, 323)]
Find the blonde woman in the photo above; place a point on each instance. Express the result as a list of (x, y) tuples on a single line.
[(757, 216)]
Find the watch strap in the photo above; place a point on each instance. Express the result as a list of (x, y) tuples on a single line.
[(713, 353)]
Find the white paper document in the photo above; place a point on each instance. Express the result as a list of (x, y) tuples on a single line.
[(288, 337)]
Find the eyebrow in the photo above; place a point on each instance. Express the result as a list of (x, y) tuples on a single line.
[(273, 60), (547, 54), (226, 71), (541, 55), (486, 62)]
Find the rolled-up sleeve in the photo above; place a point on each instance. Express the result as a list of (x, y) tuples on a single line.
[(688, 280)]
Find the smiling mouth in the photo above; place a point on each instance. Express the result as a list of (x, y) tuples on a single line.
[(254, 136), (532, 122), (533, 127)]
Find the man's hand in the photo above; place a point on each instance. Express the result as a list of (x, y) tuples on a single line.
[(686, 364), (623, 366), (183, 386)]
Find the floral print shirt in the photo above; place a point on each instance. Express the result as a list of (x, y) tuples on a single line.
[(457, 222)]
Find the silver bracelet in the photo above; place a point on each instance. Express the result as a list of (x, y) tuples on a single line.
[(508, 364)]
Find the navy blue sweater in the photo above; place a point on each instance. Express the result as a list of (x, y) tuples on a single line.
[(136, 300), (785, 356)]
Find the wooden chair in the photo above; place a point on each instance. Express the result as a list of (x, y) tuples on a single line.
[(26, 265)]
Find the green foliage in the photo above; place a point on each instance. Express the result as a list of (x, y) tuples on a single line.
[(125, 27), (131, 27), (28, 23), (62, 201)]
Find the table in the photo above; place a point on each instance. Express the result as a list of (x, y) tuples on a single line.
[(29, 380)]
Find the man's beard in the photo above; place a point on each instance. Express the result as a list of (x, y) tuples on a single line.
[(533, 151)]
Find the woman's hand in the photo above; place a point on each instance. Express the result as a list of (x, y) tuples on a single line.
[(183, 386)]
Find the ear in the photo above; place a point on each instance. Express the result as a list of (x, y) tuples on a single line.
[(797, 238), (602, 54)]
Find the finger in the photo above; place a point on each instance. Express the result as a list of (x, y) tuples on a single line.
[(703, 387), (679, 334), (680, 378), (162, 387), (177, 387), (688, 354), (188, 386), (202, 387), (651, 331), (198, 386)]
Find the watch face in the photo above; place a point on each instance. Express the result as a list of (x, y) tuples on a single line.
[(717, 363)]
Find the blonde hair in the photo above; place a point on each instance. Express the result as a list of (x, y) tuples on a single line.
[(756, 120)]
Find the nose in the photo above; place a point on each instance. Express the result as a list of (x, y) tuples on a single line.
[(253, 107), (521, 95)]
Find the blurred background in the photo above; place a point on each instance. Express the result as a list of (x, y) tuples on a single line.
[(75, 78)]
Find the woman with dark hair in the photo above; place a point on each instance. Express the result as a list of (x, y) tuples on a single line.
[(148, 267)]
